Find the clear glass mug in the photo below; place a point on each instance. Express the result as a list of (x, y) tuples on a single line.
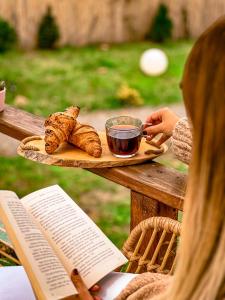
[(2, 99), (124, 135)]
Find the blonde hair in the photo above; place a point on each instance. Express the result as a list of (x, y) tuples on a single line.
[(200, 273)]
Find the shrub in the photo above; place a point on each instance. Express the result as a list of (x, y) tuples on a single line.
[(162, 25), (129, 96), (48, 32), (7, 36)]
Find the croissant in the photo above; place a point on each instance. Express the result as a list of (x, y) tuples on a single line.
[(58, 128), (86, 138)]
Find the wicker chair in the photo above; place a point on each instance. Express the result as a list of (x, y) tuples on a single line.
[(154, 256), (7, 253)]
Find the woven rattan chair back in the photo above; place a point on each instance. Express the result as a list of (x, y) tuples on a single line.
[(7, 254), (158, 255)]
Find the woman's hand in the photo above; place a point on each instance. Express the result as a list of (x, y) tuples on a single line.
[(94, 289), (162, 121)]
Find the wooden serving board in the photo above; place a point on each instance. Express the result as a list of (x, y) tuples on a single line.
[(67, 155)]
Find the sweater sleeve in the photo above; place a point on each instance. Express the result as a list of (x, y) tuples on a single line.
[(145, 286), (181, 140)]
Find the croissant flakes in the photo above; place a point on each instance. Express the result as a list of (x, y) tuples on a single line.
[(63, 127), (86, 138)]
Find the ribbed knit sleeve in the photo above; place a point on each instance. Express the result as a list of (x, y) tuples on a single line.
[(182, 140), (145, 286)]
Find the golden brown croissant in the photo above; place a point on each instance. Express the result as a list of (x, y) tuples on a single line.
[(58, 128), (86, 138)]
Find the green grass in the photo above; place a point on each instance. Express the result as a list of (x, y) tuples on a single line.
[(115, 221), (89, 77), (95, 195), (24, 176)]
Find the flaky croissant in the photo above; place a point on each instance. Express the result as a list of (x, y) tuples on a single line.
[(58, 128), (86, 138)]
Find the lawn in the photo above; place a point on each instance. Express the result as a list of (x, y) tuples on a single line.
[(105, 202), (88, 77)]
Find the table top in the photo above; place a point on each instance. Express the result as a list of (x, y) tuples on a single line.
[(151, 179), (68, 155)]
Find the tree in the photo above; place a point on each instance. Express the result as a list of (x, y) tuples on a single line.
[(48, 33), (162, 25), (7, 36)]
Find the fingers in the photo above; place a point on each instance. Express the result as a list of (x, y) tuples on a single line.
[(150, 137), (162, 139), (97, 298), (153, 117), (95, 288), (153, 130), (163, 121), (145, 125), (156, 116)]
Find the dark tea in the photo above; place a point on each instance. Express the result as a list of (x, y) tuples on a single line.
[(124, 140)]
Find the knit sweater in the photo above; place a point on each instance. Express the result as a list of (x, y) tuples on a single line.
[(182, 140), (145, 286), (148, 286)]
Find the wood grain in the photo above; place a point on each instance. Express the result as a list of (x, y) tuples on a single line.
[(20, 124), (151, 179), (70, 156), (143, 207), (107, 21)]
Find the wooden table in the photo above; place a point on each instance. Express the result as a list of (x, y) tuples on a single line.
[(156, 190)]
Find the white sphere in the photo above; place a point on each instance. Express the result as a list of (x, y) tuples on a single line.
[(153, 62)]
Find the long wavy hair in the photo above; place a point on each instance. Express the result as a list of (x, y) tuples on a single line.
[(200, 273)]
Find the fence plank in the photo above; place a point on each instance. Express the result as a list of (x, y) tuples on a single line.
[(91, 21)]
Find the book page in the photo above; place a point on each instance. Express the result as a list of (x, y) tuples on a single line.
[(16, 286), (113, 283), (48, 276), (78, 242)]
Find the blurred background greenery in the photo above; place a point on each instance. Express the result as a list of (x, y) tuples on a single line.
[(89, 77)]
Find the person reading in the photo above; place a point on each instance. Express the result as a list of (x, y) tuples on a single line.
[(200, 271)]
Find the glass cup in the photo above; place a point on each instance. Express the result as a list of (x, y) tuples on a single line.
[(124, 135), (2, 99)]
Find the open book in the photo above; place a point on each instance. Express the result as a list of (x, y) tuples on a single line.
[(52, 236)]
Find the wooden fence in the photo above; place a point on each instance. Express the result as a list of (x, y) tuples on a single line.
[(90, 21)]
